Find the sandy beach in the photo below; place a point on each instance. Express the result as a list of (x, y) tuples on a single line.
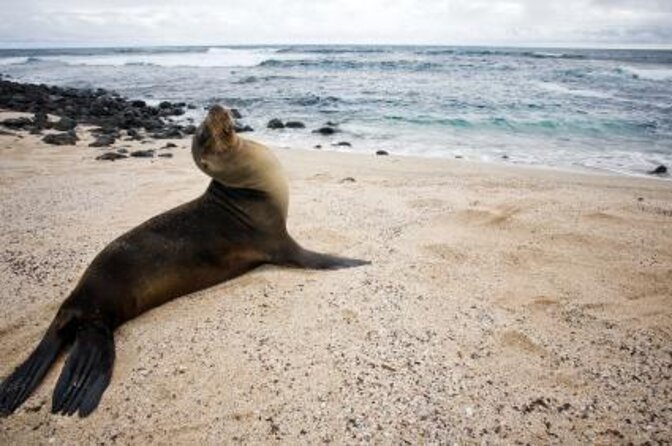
[(504, 305)]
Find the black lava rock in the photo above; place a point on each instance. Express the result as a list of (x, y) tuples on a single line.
[(382, 152), (242, 128), (660, 170), (103, 140), (343, 144), (275, 124), (65, 124), (18, 123), (172, 132), (85, 106), (149, 153), (110, 156), (325, 131), (235, 113), (133, 134), (169, 145), (61, 139), (165, 155), (189, 129), (295, 125), (41, 121)]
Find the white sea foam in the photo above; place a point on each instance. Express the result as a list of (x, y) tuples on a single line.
[(12, 60), (213, 57)]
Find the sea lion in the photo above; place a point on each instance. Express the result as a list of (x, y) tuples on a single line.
[(238, 224)]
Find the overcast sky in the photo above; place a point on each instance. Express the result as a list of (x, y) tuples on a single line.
[(209, 22)]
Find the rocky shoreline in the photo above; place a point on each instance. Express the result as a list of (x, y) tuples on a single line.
[(110, 117)]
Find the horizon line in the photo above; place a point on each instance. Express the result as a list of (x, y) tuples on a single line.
[(550, 45)]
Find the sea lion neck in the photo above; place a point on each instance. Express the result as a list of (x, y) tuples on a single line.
[(221, 193)]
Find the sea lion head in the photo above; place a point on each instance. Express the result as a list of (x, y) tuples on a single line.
[(215, 141), (238, 162)]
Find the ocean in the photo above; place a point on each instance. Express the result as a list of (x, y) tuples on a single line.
[(568, 108)]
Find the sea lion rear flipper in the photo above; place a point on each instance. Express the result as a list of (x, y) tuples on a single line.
[(304, 258), (18, 386), (87, 371)]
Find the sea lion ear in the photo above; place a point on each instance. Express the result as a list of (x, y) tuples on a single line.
[(220, 122)]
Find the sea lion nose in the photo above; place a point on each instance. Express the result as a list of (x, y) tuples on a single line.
[(217, 112)]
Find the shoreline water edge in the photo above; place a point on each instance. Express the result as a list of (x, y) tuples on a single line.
[(604, 110)]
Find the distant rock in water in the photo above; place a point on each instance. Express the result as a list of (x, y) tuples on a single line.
[(343, 144), (295, 125), (275, 124), (382, 152), (111, 156), (242, 128), (326, 131), (660, 170), (235, 113), (61, 139)]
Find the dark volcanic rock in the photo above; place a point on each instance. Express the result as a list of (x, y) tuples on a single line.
[(86, 106), (295, 125), (382, 152), (65, 124), (242, 128), (343, 144), (235, 113), (133, 134), (325, 131), (17, 123), (660, 170), (111, 156), (172, 132), (189, 129), (165, 155), (169, 145), (143, 153), (103, 140), (41, 121), (275, 123), (61, 139)]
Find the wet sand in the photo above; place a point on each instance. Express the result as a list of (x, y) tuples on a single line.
[(504, 304)]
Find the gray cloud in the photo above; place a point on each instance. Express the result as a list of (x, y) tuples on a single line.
[(532, 22)]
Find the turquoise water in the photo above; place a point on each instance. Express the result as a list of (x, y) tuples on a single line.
[(604, 109)]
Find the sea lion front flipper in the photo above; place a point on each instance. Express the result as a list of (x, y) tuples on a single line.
[(87, 371)]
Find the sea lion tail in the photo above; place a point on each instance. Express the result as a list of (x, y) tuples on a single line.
[(299, 257), (18, 386), (87, 370)]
